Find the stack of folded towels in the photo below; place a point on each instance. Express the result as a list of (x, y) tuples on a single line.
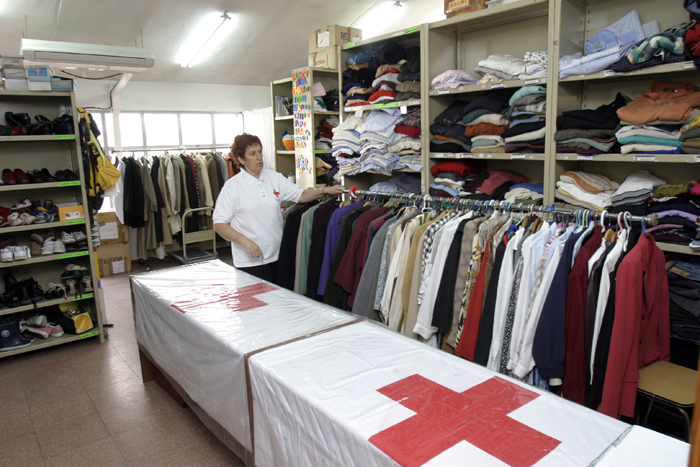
[(589, 131), (591, 191)]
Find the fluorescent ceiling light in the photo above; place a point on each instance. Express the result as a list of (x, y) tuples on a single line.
[(375, 20), (205, 38)]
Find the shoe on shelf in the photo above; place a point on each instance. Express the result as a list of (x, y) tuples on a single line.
[(46, 175), (38, 238), (63, 125), (54, 291), (36, 202), (4, 222), (67, 238), (34, 330), (34, 290), (21, 253), (70, 175), (10, 241), (73, 270), (15, 220), (35, 177), (40, 217), (8, 177), (11, 337), (79, 236), (86, 283), (25, 204), (21, 176), (35, 249), (38, 320), (47, 248), (56, 329), (7, 255), (48, 204), (22, 119), (71, 287), (27, 218), (58, 246)]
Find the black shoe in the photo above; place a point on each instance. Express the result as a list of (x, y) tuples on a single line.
[(14, 119), (70, 175), (64, 125), (60, 176), (35, 177), (10, 281), (46, 175), (34, 291)]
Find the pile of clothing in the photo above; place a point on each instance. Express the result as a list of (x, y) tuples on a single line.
[(325, 100), (503, 67), (634, 193), (525, 193), (653, 120), (404, 183), (690, 137), (381, 140), (590, 191), (389, 74), (677, 209), (451, 177), (323, 140), (627, 45), (326, 167), (684, 296), (527, 120), (589, 131), (453, 79), (467, 179)]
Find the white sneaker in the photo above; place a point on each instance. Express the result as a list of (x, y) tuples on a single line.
[(67, 238), (20, 252), (47, 247), (86, 282), (79, 236), (71, 287), (27, 218), (59, 246), (38, 320), (6, 255)]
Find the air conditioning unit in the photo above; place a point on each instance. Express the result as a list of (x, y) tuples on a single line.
[(90, 56)]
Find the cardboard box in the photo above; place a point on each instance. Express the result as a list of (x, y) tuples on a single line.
[(39, 73), (332, 35), (62, 84), (70, 211), (14, 61), (111, 230), (325, 58), (13, 73), (16, 85), (114, 259), (459, 7), (39, 85)]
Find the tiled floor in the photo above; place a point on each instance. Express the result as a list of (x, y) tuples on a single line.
[(84, 404)]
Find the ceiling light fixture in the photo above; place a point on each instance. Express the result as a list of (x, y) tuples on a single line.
[(196, 48), (375, 21)]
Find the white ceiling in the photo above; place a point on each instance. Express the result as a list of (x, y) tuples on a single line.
[(269, 39)]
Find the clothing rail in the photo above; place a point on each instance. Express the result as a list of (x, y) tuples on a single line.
[(180, 148), (652, 220)]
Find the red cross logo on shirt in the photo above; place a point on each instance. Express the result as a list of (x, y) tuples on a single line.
[(276, 193), (444, 418), (241, 299)]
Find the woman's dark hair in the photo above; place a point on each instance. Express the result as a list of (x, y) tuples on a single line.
[(240, 145)]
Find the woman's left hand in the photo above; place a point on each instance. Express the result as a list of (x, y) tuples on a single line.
[(335, 190)]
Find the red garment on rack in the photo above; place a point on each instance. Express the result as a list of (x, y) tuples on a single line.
[(470, 330), (642, 330), (574, 386)]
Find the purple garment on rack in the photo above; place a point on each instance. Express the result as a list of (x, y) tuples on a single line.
[(332, 235), (581, 151), (664, 226), (675, 212)]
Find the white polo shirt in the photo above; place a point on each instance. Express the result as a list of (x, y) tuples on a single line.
[(252, 207)]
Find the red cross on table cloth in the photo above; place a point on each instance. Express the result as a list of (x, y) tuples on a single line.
[(444, 418), (241, 299)]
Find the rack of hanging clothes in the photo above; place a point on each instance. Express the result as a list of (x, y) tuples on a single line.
[(158, 188), (574, 301)]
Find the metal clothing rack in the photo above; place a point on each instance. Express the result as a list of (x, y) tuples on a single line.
[(651, 220), (179, 148)]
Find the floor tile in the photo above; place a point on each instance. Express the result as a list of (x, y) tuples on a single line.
[(13, 397), (68, 408), (47, 384), (22, 451), (105, 374), (67, 436), (102, 453), (16, 424), (146, 441)]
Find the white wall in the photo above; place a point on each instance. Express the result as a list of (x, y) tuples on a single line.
[(141, 95)]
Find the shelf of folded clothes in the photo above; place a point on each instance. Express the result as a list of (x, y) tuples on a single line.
[(673, 158), (410, 171), (470, 179), (409, 103), (398, 36), (469, 88), (680, 69), (507, 13), (497, 156), (641, 51)]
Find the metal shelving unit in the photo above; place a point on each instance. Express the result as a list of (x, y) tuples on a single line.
[(54, 152)]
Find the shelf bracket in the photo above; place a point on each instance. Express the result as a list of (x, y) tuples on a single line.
[(121, 84)]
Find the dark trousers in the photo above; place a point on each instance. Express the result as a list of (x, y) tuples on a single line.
[(267, 272)]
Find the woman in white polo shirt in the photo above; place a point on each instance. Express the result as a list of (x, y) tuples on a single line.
[(248, 213)]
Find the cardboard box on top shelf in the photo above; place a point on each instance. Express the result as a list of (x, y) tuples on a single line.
[(325, 58), (11, 61), (111, 230), (16, 84), (113, 258), (39, 73), (460, 7), (39, 85), (62, 84), (332, 35), (13, 73)]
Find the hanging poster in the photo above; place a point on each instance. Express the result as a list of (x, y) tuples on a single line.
[(303, 131)]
